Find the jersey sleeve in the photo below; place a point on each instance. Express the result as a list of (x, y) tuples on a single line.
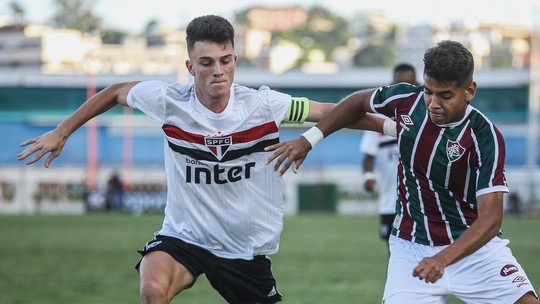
[(386, 99), (491, 155), (278, 102), (149, 97)]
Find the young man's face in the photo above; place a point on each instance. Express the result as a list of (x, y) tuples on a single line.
[(446, 103), (212, 66)]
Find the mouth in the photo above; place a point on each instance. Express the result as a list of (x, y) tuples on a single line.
[(436, 115), (220, 82)]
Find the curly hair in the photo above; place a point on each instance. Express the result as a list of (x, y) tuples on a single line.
[(449, 62), (209, 28)]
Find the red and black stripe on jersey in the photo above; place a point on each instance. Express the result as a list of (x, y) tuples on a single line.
[(250, 135)]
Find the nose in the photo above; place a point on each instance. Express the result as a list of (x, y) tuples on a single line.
[(218, 70), (434, 102)]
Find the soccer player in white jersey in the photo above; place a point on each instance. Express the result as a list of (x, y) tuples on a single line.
[(384, 148), (446, 239), (224, 208)]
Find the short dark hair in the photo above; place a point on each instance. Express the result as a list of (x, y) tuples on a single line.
[(449, 62), (403, 67), (209, 28)]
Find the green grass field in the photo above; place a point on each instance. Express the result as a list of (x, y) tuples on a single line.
[(89, 259)]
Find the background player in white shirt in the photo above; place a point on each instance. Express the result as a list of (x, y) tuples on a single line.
[(384, 148), (224, 205), (381, 149)]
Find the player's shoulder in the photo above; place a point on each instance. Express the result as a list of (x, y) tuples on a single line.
[(482, 126), (241, 90), (178, 91), (478, 119), (263, 94), (403, 88)]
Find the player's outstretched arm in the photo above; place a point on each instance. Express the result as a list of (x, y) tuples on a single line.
[(53, 141), (350, 112)]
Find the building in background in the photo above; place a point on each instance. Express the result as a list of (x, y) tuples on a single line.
[(44, 74)]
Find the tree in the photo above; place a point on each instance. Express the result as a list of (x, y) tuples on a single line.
[(17, 11), (152, 35), (113, 36), (375, 55), (76, 14), (323, 31)]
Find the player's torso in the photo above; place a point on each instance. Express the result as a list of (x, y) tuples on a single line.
[(220, 191)]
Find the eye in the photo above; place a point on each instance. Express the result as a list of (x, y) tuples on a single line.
[(446, 96)]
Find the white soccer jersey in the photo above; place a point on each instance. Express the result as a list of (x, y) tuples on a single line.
[(385, 150), (221, 196)]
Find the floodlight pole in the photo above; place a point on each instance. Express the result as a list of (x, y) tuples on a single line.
[(534, 110)]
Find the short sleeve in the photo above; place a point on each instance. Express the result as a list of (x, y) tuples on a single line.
[(149, 97), (279, 103)]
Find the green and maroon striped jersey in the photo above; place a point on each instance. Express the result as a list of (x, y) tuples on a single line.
[(442, 170)]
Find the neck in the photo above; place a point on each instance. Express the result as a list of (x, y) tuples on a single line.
[(212, 103)]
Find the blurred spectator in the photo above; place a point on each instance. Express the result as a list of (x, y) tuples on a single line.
[(113, 200), (514, 204)]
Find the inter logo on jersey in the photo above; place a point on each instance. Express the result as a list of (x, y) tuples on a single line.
[(454, 150), (218, 145)]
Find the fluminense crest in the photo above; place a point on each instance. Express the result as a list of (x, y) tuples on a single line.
[(454, 150)]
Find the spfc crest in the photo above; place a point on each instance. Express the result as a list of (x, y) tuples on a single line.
[(454, 150), (218, 145)]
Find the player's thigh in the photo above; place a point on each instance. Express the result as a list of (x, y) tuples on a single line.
[(528, 298), (496, 278), (400, 282), (159, 269), (402, 287)]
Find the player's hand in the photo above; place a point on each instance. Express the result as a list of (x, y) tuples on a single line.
[(369, 185), (51, 142), (430, 269), (288, 153)]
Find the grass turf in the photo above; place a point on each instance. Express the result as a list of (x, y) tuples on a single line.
[(323, 258)]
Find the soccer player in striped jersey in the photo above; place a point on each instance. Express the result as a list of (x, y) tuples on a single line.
[(224, 211), (446, 239)]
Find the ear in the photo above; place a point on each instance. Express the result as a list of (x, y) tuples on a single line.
[(189, 67), (470, 91)]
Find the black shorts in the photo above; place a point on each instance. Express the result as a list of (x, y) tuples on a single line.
[(237, 280), (385, 228)]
